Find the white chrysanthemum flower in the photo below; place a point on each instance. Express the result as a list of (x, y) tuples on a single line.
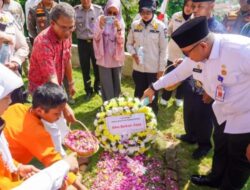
[(95, 122), (121, 99), (120, 109), (135, 109), (104, 138), (131, 142), (115, 110), (136, 139), (100, 127), (107, 146), (109, 113), (122, 151)]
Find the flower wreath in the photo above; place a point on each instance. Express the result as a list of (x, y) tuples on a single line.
[(134, 143)]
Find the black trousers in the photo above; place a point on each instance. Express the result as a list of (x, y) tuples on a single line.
[(142, 82), (197, 117), (230, 166), (86, 53), (166, 95)]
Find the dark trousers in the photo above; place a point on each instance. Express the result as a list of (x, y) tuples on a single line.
[(197, 118), (230, 166), (166, 95), (31, 41), (86, 53), (142, 82)]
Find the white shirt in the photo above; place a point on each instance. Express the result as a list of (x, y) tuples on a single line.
[(230, 52), (57, 130), (50, 178), (153, 39), (20, 48), (17, 12), (5, 154), (174, 52)]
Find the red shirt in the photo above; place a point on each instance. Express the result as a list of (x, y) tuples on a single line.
[(49, 57)]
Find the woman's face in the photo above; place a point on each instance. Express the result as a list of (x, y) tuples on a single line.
[(188, 8), (112, 11), (146, 14)]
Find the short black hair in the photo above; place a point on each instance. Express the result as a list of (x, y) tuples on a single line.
[(48, 96)]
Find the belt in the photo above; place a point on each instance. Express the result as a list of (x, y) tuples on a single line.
[(88, 41)]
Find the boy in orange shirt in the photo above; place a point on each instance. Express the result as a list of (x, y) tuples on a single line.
[(24, 177), (27, 135)]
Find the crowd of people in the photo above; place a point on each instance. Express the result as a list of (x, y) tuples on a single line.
[(193, 52)]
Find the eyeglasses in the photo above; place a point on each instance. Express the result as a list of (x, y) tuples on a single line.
[(65, 28), (189, 51), (111, 13)]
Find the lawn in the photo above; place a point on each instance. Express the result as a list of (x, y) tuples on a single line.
[(169, 122)]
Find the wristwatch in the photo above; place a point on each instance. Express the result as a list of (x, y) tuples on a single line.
[(152, 87)]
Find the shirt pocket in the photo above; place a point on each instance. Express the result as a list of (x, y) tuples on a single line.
[(230, 79), (154, 37), (80, 24), (138, 39)]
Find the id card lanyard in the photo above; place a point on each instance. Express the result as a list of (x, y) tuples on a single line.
[(220, 90)]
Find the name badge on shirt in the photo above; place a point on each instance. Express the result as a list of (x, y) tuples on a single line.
[(197, 70), (220, 93)]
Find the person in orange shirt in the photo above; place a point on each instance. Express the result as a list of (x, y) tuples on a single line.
[(29, 134), (11, 172)]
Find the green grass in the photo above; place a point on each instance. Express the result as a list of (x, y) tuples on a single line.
[(170, 121)]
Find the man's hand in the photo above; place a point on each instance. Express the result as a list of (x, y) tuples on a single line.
[(248, 152), (206, 98), (102, 21), (160, 74), (177, 62), (136, 58), (69, 114), (72, 161), (117, 24), (72, 89), (26, 171), (148, 93), (12, 65)]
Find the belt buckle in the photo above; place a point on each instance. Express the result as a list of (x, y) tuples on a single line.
[(89, 41)]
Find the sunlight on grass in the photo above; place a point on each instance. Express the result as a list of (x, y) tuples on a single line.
[(170, 122)]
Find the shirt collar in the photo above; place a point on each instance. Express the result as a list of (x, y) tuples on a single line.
[(216, 47), (52, 35), (151, 23), (91, 8)]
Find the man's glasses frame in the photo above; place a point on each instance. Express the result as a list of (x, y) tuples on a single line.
[(64, 28)]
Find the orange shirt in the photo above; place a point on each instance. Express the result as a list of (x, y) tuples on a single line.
[(8, 180), (28, 138)]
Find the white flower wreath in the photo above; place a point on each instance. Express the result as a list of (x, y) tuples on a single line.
[(137, 142)]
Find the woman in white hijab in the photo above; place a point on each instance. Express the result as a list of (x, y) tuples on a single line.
[(10, 172)]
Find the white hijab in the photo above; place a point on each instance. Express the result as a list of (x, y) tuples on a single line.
[(9, 81)]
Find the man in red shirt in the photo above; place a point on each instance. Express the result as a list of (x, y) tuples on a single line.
[(51, 55)]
